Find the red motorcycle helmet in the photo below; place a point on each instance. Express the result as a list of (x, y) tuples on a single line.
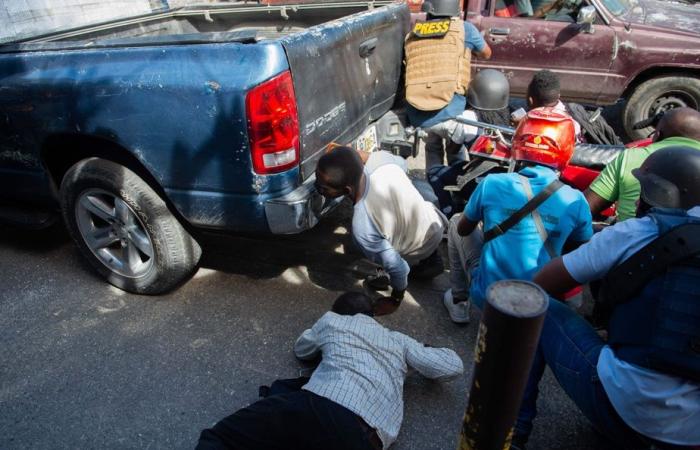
[(546, 137)]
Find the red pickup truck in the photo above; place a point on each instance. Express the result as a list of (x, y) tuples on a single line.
[(644, 51)]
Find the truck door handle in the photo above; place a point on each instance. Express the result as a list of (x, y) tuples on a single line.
[(499, 31), (367, 47)]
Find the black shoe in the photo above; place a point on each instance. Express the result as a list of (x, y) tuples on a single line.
[(428, 268)]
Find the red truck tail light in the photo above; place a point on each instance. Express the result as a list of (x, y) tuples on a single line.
[(273, 125)]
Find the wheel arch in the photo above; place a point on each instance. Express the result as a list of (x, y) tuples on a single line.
[(658, 71), (60, 152)]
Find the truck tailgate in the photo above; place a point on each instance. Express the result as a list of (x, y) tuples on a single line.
[(346, 74)]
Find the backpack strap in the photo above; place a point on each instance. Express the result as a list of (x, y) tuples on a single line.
[(518, 215), (623, 282), (541, 230)]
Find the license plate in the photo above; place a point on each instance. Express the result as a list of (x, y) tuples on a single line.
[(367, 142)]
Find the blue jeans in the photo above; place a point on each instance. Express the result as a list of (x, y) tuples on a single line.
[(570, 347)]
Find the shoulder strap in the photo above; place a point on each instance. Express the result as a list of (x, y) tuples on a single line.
[(626, 280), (541, 230), (518, 215)]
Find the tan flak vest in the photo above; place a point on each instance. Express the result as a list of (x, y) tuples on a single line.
[(436, 67)]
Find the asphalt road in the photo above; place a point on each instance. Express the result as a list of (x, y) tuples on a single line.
[(84, 365)]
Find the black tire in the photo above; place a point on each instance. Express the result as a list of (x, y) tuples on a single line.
[(172, 254), (656, 95)]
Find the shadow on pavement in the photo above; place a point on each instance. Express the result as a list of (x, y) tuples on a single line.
[(331, 259), (34, 241)]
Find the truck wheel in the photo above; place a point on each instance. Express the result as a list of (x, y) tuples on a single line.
[(125, 229), (657, 95)]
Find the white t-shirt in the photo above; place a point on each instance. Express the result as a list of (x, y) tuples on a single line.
[(577, 126)]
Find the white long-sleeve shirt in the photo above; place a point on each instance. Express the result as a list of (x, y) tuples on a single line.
[(364, 366), (392, 223)]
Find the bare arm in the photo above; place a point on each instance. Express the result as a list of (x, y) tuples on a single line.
[(465, 226), (555, 279), (484, 53), (596, 202)]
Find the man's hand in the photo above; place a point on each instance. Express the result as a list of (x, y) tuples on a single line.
[(387, 305), (398, 293)]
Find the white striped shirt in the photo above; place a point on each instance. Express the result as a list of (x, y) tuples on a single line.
[(364, 366)]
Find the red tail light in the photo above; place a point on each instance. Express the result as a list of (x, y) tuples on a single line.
[(273, 125)]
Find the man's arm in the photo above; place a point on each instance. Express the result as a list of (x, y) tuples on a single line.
[(435, 363), (466, 226), (583, 230), (484, 53), (596, 203), (475, 42), (605, 189), (473, 212), (379, 250), (555, 279), (396, 267), (306, 347)]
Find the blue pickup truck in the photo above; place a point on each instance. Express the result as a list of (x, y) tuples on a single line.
[(143, 131)]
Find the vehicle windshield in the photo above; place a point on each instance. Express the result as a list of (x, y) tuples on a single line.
[(617, 7)]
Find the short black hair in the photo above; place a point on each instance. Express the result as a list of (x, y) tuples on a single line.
[(351, 303), (342, 166), (544, 88)]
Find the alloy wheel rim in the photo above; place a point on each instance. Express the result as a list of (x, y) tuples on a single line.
[(114, 233)]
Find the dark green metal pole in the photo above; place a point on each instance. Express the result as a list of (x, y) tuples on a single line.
[(508, 334)]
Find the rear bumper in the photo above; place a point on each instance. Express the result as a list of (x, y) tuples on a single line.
[(298, 210)]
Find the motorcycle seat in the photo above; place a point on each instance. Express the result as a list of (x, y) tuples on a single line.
[(594, 156)]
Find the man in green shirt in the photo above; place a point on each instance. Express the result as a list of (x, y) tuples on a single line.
[(680, 126)]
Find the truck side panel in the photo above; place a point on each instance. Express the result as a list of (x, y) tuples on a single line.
[(179, 109)]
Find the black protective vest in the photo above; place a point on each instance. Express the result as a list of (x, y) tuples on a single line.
[(655, 321)]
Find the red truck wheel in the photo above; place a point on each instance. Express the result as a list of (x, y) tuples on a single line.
[(656, 95), (125, 229)]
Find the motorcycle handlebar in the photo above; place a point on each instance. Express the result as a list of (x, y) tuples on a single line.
[(486, 126)]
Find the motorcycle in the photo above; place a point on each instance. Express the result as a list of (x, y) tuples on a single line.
[(491, 153)]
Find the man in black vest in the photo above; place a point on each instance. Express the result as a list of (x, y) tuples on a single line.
[(641, 388)]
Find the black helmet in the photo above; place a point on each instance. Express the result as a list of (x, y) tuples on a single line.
[(670, 178), (441, 8), (488, 91)]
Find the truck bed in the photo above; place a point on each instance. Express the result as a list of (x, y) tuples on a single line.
[(223, 22)]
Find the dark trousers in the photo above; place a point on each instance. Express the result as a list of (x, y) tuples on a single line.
[(294, 419)]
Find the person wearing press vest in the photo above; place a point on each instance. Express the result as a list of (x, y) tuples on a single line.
[(438, 63)]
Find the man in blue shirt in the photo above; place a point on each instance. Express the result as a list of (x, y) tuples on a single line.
[(519, 251), (641, 388), (437, 76)]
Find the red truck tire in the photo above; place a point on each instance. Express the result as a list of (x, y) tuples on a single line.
[(656, 95)]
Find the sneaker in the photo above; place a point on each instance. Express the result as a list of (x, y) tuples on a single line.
[(379, 281), (459, 312)]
